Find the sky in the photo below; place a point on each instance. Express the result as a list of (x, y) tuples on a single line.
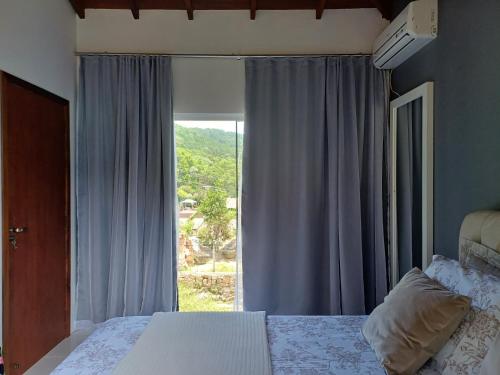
[(227, 126)]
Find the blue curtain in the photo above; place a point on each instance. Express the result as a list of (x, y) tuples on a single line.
[(409, 186), (312, 194), (285, 267), (357, 123), (126, 191)]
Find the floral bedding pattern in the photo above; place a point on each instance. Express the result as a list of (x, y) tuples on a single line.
[(299, 345), (104, 348), (469, 344), (315, 345), (491, 258)]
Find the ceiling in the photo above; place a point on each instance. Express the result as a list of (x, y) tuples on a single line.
[(253, 6)]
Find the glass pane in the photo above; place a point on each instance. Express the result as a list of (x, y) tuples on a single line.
[(208, 170)]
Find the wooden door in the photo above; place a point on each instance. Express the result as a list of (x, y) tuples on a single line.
[(36, 222)]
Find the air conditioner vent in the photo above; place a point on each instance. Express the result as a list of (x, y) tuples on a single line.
[(415, 27)]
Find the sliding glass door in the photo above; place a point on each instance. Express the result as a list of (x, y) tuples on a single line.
[(209, 156)]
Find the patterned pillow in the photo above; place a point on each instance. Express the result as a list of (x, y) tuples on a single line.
[(467, 347), (480, 264)]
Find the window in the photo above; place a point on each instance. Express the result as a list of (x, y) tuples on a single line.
[(209, 156)]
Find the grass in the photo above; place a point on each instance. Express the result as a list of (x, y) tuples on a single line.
[(225, 267), (191, 299), (220, 266)]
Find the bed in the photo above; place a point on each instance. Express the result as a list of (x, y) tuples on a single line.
[(298, 345), (306, 345)]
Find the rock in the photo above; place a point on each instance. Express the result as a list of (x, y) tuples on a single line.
[(222, 285)]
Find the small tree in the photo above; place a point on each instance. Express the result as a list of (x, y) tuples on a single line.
[(187, 228), (217, 221)]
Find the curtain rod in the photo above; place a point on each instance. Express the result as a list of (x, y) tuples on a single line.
[(221, 56)]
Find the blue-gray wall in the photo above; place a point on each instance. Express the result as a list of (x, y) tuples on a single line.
[(464, 63)]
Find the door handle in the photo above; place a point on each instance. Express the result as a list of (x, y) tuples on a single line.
[(12, 235), (16, 230)]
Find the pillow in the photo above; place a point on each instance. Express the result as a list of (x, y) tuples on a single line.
[(469, 248), (470, 343), (480, 264), (413, 323), (491, 363)]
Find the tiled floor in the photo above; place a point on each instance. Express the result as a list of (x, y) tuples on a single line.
[(57, 355)]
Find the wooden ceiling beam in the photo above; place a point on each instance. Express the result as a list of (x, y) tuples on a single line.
[(253, 9), (134, 7), (384, 7), (79, 7), (320, 8), (189, 9)]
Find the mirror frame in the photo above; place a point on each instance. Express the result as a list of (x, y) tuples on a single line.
[(426, 92)]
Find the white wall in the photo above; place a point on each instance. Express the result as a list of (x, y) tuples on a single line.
[(37, 44), (208, 85), (216, 85)]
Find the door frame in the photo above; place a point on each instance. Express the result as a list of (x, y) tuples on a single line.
[(4, 205), (425, 92)]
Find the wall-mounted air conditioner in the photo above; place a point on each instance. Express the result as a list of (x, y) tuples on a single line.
[(415, 27)]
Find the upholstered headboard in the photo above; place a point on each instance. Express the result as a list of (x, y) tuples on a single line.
[(480, 237)]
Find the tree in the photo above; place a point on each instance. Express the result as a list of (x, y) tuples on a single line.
[(217, 221), (187, 228), (205, 157)]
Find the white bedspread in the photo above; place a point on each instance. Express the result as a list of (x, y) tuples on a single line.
[(200, 344)]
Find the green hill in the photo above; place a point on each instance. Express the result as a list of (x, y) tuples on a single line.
[(209, 142), (206, 158)]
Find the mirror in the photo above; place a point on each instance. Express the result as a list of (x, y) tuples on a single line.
[(412, 181)]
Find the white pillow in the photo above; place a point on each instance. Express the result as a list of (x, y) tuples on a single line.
[(469, 345)]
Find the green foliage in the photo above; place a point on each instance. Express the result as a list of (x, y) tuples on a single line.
[(187, 228), (217, 219), (210, 142), (205, 158)]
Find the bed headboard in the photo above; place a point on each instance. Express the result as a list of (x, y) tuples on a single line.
[(480, 237)]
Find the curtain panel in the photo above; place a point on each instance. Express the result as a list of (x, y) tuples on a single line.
[(313, 185), (126, 191), (409, 183)]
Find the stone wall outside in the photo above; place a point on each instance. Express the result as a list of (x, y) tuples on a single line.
[(220, 284)]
